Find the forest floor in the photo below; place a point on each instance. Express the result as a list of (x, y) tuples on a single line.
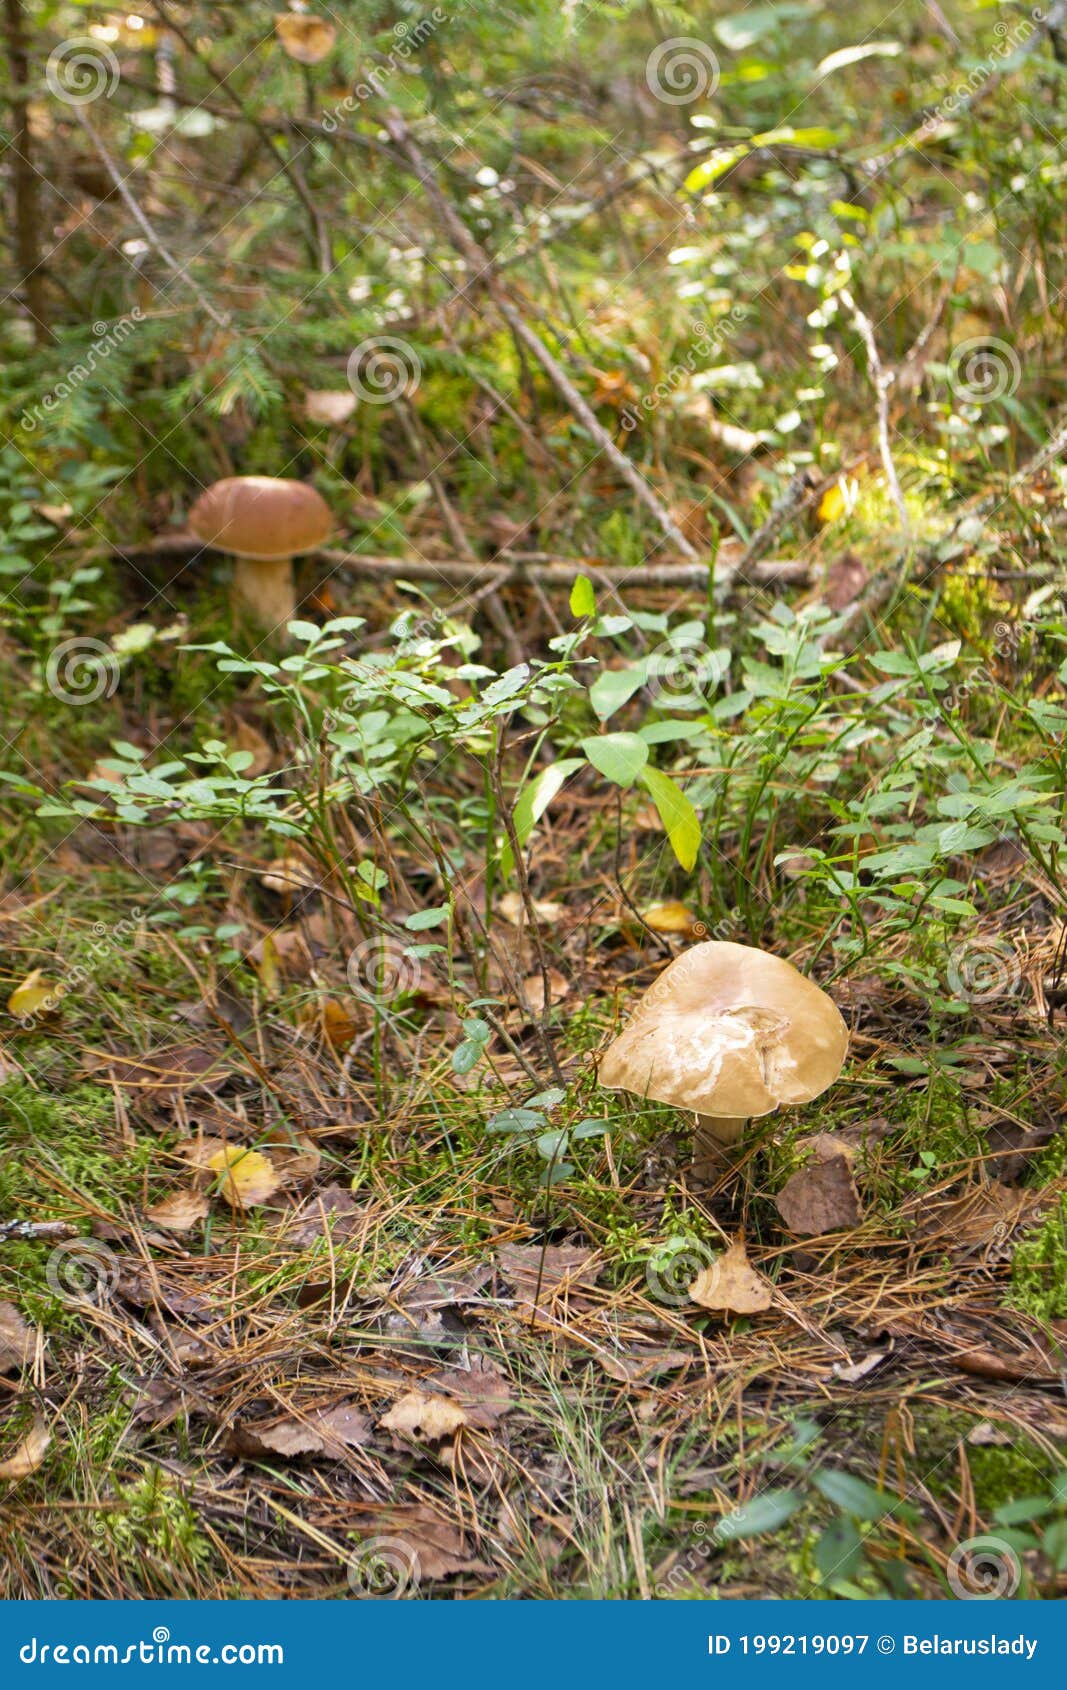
[(402, 1364)]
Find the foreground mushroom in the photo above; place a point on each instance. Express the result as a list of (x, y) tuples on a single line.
[(264, 522), (731, 1033)]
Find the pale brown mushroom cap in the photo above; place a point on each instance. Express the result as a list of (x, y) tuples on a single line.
[(728, 1030), (261, 516)]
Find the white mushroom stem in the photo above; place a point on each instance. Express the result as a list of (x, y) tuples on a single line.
[(718, 1132), (265, 589)]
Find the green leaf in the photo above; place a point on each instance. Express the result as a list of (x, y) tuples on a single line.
[(839, 1552), (551, 1144), (852, 1495), (618, 757), (533, 801), (590, 1129), (763, 1514), (677, 814), (1023, 1510), (422, 919), (583, 598), (515, 1121), (466, 1055), (611, 689)]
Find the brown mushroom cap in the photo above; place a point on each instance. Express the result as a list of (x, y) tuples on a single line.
[(261, 516), (728, 1030)]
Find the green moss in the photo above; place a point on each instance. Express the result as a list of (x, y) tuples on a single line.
[(1003, 1473), (1039, 1268)]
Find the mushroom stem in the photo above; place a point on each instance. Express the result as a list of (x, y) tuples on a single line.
[(265, 590), (718, 1132), (715, 1142)]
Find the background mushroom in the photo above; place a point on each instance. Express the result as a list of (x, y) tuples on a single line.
[(264, 522), (731, 1033)]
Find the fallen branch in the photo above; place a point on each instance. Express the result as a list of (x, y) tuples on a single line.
[(512, 570)]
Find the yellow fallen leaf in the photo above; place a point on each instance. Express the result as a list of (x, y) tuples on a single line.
[(35, 996), (305, 38), (732, 1283), (248, 1177), (837, 501), (671, 917), (269, 967), (178, 1212), (30, 1453)]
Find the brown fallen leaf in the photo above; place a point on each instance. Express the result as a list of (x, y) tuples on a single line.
[(296, 1157), (333, 1211), (179, 1211), (165, 1073), (30, 1452), (981, 1218), (639, 1367), (844, 581), (320, 1431), (511, 907), (428, 1418), (305, 38), (563, 1269), (732, 1283), (17, 1342), (339, 1024), (432, 1546), (243, 735), (481, 1390), (821, 1197), (533, 989)]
